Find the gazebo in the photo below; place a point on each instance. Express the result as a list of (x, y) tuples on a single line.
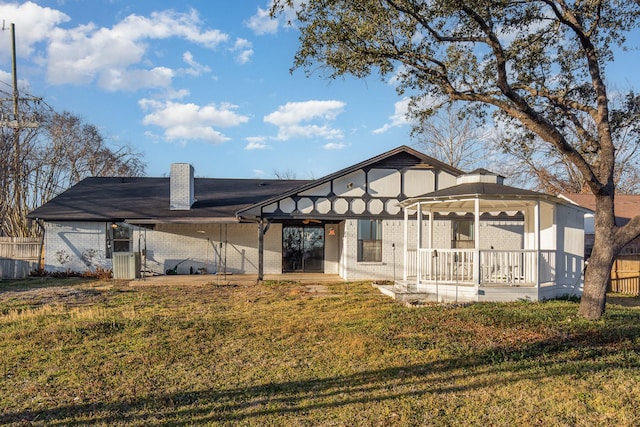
[(542, 257)]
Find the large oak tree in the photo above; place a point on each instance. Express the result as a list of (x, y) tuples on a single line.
[(536, 65)]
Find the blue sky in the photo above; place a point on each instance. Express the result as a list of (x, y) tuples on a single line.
[(205, 82)]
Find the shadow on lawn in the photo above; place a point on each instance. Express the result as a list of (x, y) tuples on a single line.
[(301, 398)]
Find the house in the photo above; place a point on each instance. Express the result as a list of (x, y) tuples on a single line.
[(626, 207), (402, 216)]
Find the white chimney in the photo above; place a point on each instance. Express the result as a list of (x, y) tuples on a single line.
[(181, 179)]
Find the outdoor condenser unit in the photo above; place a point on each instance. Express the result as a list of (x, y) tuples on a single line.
[(126, 265)]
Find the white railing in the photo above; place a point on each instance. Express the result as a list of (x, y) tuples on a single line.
[(446, 265), (468, 266), (412, 263), (509, 267)]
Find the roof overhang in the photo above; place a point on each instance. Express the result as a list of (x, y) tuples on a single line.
[(466, 203), (183, 220)]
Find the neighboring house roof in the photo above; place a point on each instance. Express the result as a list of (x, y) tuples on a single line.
[(147, 199), (626, 205)]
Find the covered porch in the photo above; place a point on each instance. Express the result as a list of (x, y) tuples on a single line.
[(544, 262)]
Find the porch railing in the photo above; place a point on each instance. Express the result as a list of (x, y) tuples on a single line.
[(467, 266)]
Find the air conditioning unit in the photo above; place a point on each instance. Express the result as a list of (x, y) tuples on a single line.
[(126, 265)]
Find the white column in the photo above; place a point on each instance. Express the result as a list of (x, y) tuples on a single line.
[(430, 228), (536, 237), (476, 240), (406, 239), (418, 243)]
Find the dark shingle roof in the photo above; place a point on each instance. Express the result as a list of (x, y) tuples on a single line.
[(117, 199), (483, 188)]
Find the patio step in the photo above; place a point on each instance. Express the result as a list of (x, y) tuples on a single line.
[(404, 295)]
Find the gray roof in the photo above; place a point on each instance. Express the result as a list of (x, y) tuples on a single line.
[(484, 189), (147, 199)]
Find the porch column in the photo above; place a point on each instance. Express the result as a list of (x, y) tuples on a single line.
[(476, 240), (418, 244), (430, 228), (406, 240), (260, 249), (536, 238)]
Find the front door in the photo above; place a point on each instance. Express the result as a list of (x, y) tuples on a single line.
[(303, 249)]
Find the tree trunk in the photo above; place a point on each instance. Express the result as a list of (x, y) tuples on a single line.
[(598, 272), (596, 281)]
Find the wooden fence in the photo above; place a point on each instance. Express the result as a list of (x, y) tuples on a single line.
[(625, 275), (18, 256)]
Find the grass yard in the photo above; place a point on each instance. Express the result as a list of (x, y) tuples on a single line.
[(76, 353)]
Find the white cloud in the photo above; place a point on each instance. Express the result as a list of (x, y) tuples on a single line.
[(7, 77), (290, 119), (196, 68), (399, 117), (130, 80), (87, 53), (189, 121), (245, 48), (256, 143), (261, 23), (33, 24), (334, 146)]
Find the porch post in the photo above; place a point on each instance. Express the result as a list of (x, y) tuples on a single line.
[(430, 228), (476, 240), (536, 238), (405, 255), (260, 249), (419, 244)]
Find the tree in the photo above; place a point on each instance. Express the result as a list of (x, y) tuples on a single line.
[(541, 167), (62, 151), (538, 66), (451, 137)]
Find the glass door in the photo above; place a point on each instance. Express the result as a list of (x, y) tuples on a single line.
[(303, 249)]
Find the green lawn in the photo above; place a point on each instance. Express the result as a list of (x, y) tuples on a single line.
[(75, 353)]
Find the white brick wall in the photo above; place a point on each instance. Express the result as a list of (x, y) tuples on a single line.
[(70, 241), (502, 235), (200, 245), (392, 233), (167, 245)]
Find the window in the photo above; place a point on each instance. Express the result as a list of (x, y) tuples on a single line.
[(369, 240), (462, 235), (118, 239)]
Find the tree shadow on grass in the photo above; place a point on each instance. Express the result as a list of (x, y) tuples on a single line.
[(493, 367)]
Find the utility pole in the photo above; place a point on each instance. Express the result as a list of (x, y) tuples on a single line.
[(17, 122)]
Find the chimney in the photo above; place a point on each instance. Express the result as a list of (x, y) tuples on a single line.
[(181, 183)]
